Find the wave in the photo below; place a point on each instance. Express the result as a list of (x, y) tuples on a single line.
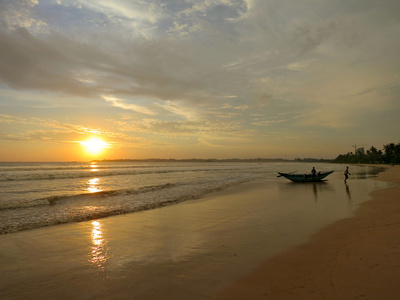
[(53, 200), (83, 207), (70, 168), (87, 173)]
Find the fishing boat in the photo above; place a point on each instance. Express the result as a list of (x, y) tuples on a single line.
[(305, 177)]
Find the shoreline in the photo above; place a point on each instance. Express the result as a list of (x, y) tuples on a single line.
[(353, 258)]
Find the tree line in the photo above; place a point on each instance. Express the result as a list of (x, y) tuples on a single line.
[(390, 154)]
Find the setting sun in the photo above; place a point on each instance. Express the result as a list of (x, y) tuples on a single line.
[(94, 145)]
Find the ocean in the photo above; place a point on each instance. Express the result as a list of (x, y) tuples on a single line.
[(34, 195)]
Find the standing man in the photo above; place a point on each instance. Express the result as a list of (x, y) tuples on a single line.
[(346, 174), (313, 172)]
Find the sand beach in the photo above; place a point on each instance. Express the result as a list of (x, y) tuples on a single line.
[(257, 240), (355, 258)]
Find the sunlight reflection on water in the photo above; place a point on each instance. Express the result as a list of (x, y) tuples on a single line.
[(99, 249), (93, 185)]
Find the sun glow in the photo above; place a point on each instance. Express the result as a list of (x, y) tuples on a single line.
[(94, 145)]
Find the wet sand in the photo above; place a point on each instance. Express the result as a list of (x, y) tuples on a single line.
[(355, 258), (198, 249)]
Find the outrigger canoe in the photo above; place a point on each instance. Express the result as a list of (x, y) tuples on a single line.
[(305, 177)]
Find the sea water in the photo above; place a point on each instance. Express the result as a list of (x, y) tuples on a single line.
[(34, 195)]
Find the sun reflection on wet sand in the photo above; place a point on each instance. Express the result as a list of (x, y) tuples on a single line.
[(99, 249), (93, 185)]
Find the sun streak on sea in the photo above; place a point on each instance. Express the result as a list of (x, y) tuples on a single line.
[(94, 185), (99, 249)]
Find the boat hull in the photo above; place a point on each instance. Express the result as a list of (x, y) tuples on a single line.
[(305, 177)]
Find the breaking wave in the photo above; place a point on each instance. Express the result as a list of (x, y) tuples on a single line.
[(59, 209)]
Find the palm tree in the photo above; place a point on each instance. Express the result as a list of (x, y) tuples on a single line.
[(392, 153)]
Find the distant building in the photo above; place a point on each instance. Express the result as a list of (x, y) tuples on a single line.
[(360, 151)]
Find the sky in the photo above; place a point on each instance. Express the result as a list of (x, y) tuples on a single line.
[(197, 78)]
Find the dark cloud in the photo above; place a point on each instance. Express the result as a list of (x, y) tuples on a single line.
[(31, 63), (59, 64)]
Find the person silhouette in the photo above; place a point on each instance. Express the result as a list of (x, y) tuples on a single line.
[(313, 172), (346, 174)]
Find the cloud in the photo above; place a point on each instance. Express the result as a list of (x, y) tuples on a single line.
[(225, 142), (33, 64), (241, 107), (30, 125), (184, 129), (283, 118), (202, 68), (21, 13), (62, 65), (120, 103), (49, 131)]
